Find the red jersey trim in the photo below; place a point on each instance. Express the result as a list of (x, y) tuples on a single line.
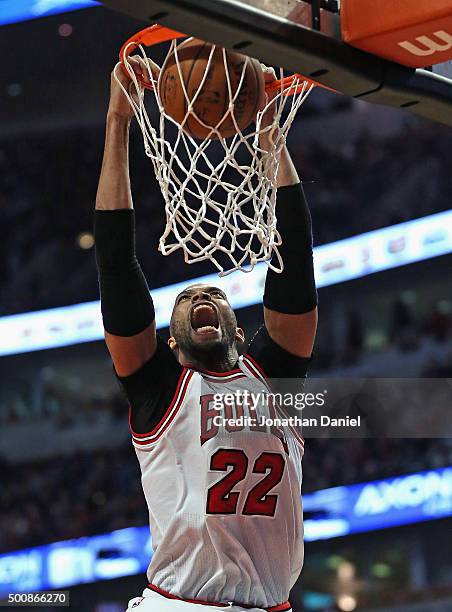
[(219, 377), (168, 595), (295, 432), (215, 374), (255, 365), (225, 380), (279, 608), (284, 607), (170, 414)]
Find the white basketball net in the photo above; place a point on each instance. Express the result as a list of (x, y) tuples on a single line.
[(222, 210)]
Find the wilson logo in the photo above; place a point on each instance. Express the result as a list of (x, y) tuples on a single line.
[(442, 41)]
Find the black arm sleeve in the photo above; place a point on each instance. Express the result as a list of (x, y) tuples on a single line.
[(126, 303), (150, 390), (275, 361), (292, 291)]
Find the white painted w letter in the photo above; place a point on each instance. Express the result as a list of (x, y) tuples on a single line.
[(431, 46)]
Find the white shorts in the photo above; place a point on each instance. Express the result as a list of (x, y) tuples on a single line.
[(151, 601)]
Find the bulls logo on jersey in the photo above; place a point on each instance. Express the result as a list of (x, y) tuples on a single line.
[(228, 413)]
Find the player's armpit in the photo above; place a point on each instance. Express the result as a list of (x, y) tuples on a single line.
[(293, 332), (129, 354)]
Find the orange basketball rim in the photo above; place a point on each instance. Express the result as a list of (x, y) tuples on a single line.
[(156, 34)]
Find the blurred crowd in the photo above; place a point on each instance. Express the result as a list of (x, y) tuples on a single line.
[(405, 342), (329, 463), (69, 497), (96, 492), (48, 190), (368, 183)]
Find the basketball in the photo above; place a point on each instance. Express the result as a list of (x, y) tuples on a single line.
[(207, 86)]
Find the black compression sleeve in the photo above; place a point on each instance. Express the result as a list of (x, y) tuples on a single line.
[(275, 361), (127, 307), (293, 291)]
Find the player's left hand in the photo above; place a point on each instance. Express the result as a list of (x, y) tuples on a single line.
[(121, 80)]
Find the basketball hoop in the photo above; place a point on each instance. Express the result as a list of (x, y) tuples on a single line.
[(219, 193)]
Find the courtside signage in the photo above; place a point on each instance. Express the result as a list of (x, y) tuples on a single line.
[(337, 262), (341, 511)]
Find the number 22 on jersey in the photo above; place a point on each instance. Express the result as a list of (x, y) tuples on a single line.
[(221, 499)]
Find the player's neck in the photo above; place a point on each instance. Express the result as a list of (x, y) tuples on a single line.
[(212, 361)]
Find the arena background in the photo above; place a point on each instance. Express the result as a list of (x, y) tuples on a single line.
[(72, 513)]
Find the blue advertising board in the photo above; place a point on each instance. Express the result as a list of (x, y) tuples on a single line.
[(124, 552), (402, 500)]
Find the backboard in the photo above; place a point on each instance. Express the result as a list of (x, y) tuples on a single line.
[(302, 36)]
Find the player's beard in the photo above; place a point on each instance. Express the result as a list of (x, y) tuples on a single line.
[(209, 354)]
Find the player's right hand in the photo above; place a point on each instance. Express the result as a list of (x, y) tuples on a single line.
[(119, 104)]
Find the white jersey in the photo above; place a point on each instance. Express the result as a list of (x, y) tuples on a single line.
[(224, 498)]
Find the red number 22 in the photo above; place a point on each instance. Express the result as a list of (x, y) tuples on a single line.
[(221, 499)]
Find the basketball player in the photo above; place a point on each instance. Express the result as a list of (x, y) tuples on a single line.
[(224, 500)]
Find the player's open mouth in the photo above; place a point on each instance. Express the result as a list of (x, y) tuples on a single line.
[(204, 318)]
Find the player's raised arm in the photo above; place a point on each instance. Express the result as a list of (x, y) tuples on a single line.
[(127, 308), (290, 298)]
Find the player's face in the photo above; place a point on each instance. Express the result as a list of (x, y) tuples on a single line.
[(203, 320)]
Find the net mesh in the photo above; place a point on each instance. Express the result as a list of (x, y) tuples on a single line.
[(219, 193)]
